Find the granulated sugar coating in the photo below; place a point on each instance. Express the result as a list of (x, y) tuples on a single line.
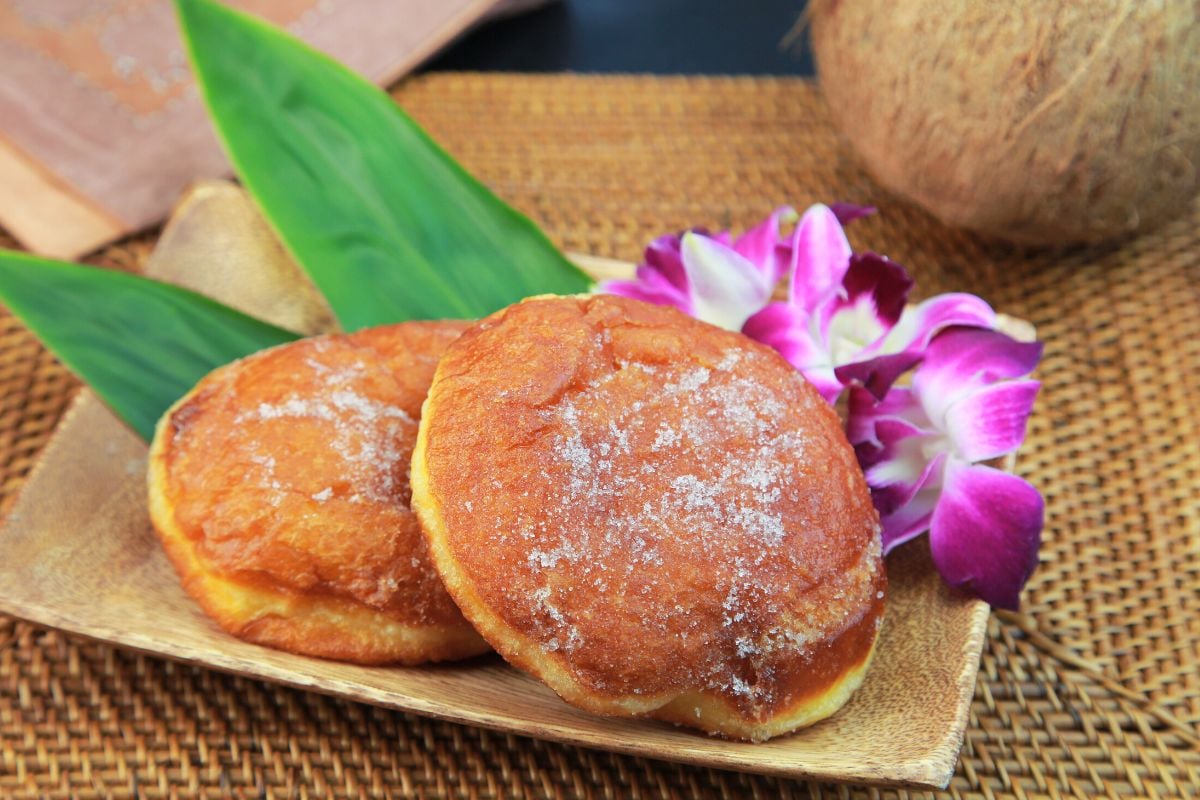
[(650, 514), (282, 479)]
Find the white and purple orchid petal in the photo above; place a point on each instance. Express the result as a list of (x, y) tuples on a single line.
[(848, 212), (820, 257), (990, 421), (910, 520), (761, 246), (894, 454), (726, 289), (657, 281), (721, 237), (897, 470), (901, 457), (896, 449), (909, 466), (778, 324), (985, 532), (920, 323), (877, 281), (865, 307), (785, 328), (960, 360), (650, 287), (662, 256), (899, 348), (878, 374), (825, 382), (858, 317), (865, 412)]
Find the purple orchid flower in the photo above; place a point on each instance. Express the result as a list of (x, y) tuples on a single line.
[(713, 277), (922, 450), (846, 319), (717, 278)]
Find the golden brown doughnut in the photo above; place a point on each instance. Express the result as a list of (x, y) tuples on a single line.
[(652, 515), (279, 489)]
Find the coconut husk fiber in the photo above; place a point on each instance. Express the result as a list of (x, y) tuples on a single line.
[(1092, 690), (1038, 122)]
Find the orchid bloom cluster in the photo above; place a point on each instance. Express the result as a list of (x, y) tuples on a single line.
[(846, 324)]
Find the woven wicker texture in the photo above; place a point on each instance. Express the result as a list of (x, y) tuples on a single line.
[(1093, 690)]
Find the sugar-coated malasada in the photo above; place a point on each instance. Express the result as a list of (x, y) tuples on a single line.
[(279, 488), (652, 515)]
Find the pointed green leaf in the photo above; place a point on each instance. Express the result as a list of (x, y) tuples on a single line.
[(388, 226), (140, 344)]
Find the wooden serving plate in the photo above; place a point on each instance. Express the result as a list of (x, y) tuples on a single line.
[(79, 555)]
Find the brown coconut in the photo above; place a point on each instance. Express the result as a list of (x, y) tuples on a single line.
[(1039, 122)]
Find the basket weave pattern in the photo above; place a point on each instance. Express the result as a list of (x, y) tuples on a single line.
[(1094, 689)]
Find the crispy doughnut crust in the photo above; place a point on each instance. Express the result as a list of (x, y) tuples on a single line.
[(279, 489), (652, 515)]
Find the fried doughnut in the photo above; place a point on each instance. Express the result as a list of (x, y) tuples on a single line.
[(652, 515), (279, 489)]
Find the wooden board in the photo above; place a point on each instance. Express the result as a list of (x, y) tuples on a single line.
[(79, 555)]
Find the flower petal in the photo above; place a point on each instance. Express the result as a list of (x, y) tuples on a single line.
[(895, 481), (953, 308), (985, 532), (990, 421), (854, 321), (825, 382), (721, 237), (864, 413), (650, 286), (902, 346), (726, 289), (761, 246), (898, 456), (896, 449), (960, 360), (664, 257), (877, 374), (877, 279), (820, 257), (784, 327), (920, 323), (848, 212), (910, 520)]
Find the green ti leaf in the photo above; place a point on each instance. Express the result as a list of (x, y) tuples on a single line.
[(140, 344), (388, 226)]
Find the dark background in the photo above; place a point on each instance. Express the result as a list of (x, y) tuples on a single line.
[(659, 36)]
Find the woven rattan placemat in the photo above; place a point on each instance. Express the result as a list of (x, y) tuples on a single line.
[(1093, 690)]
